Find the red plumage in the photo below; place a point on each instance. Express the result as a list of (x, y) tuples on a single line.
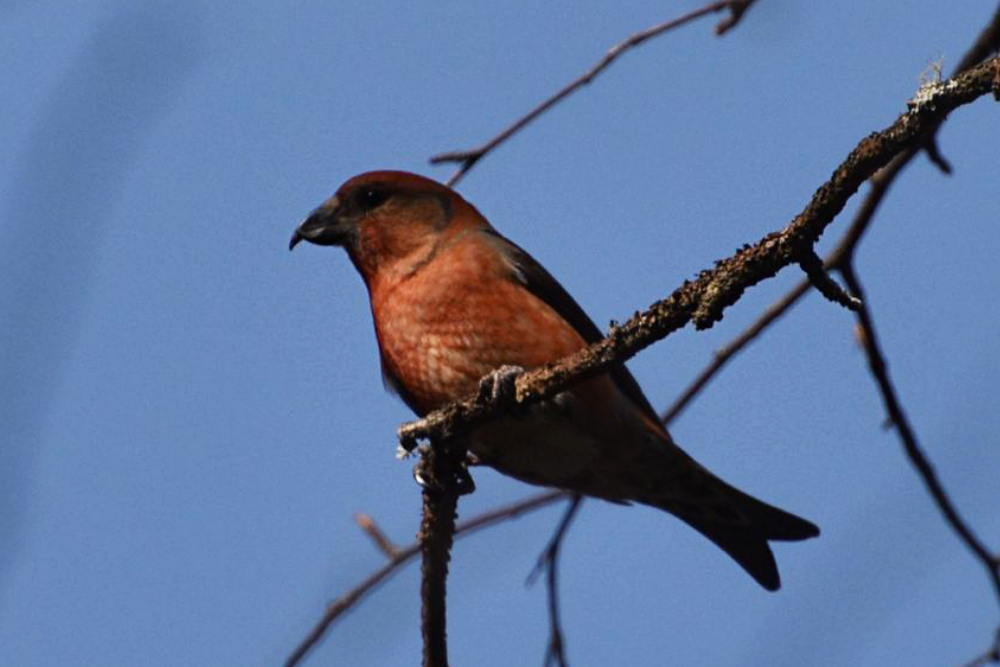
[(452, 300)]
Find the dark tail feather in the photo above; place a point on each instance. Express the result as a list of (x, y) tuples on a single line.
[(738, 523), (774, 523), (747, 548), (747, 542)]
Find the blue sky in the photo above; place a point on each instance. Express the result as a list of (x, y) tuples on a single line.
[(192, 415)]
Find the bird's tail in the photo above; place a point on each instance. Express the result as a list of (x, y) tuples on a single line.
[(738, 523)]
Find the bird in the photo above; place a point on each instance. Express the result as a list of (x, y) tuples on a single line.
[(452, 301)]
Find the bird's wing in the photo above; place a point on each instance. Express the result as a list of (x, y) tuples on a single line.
[(542, 285)]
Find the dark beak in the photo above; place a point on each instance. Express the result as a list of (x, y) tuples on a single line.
[(322, 227), (296, 237)]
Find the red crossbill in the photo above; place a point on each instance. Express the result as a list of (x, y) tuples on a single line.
[(453, 300)]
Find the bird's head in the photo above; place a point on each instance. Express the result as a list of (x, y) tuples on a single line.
[(388, 220)]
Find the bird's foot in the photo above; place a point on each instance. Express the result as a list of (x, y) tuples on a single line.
[(500, 386)]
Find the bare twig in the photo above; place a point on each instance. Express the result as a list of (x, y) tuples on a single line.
[(898, 419), (444, 477), (704, 300), (736, 11), (368, 525), (548, 561), (403, 556), (722, 356), (879, 187), (933, 151), (346, 602), (881, 182), (437, 531), (841, 258), (824, 284), (468, 158), (986, 44)]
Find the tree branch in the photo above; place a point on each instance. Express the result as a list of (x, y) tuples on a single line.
[(881, 182), (468, 158), (437, 531), (842, 257), (555, 653), (704, 300), (986, 44), (824, 284), (723, 355), (379, 538), (404, 555), (897, 417), (736, 11), (879, 187), (443, 476)]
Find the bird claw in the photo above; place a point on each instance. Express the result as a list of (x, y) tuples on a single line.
[(456, 480), (464, 484), (460, 483), (500, 385)]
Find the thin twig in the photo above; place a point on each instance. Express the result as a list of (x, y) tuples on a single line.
[(841, 258), (933, 152), (986, 44), (379, 538), (704, 300), (726, 353), (736, 11), (898, 419), (548, 561), (346, 602), (445, 477), (437, 532), (468, 158), (824, 284), (404, 555), (880, 185)]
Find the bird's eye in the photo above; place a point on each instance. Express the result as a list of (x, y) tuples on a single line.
[(372, 197)]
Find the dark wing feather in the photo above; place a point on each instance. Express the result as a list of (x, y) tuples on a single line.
[(540, 282)]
